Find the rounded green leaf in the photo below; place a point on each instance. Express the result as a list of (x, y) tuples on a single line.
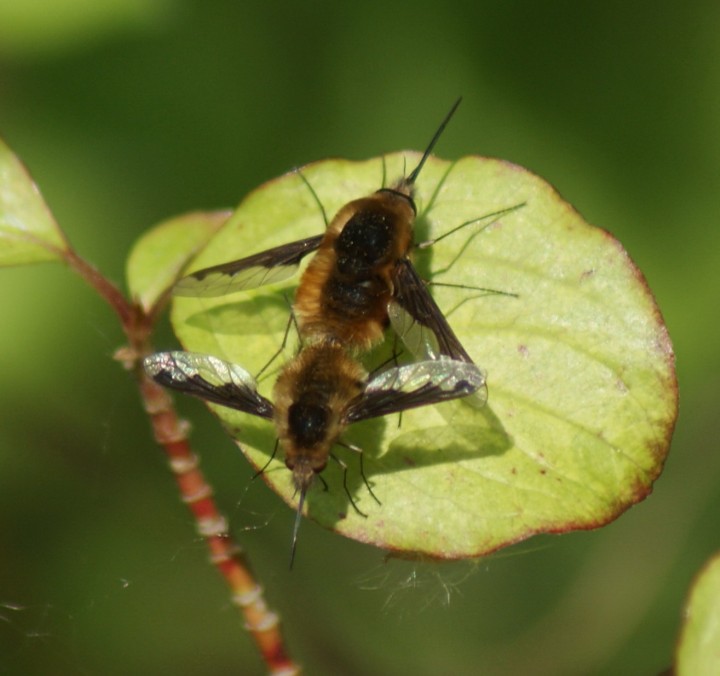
[(699, 647), (159, 256), (581, 381), (28, 231)]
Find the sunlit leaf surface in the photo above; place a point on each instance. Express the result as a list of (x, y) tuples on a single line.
[(161, 253), (699, 648), (28, 231), (581, 381)]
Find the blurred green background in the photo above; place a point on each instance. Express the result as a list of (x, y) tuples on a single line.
[(128, 112)]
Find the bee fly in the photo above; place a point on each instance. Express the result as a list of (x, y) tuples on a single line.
[(359, 279), (316, 396)]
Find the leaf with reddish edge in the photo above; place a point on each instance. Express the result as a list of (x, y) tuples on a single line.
[(581, 377)]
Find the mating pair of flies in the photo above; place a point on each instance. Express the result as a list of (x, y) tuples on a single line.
[(359, 280)]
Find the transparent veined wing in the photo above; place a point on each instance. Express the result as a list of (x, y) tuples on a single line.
[(209, 378), (419, 384), (418, 321), (265, 267)]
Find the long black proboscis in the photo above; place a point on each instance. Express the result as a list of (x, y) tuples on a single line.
[(415, 172), (298, 517)]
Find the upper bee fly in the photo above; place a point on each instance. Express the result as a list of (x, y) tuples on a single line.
[(360, 278)]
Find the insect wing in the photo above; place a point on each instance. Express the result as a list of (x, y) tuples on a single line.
[(419, 384), (266, 267), (208, 378), (418, 321)]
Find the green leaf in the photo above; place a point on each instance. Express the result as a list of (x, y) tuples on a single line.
[(699, 647), (28, 231), (581, 380), (159, 256)]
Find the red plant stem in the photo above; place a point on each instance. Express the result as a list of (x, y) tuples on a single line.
[(103, 286), (171, 433), (262, 623)]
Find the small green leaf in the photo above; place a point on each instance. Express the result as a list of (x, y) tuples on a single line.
[(159, 256), (28, 231), (699, 647), (581, 380)]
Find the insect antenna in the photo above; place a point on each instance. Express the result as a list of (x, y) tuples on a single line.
[(412, 177)]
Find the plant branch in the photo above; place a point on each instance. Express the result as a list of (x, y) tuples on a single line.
[(103, 286), (171, 433)]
